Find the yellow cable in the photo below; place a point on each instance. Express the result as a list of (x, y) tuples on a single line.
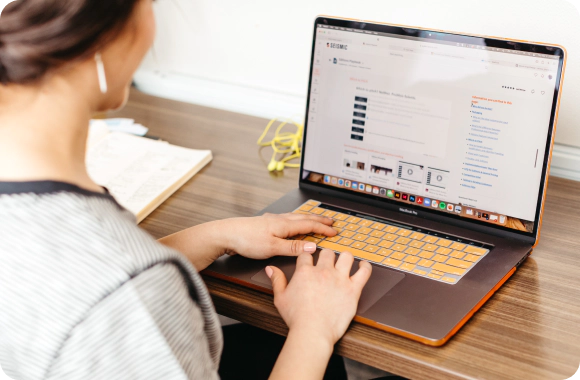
[(283, 144)]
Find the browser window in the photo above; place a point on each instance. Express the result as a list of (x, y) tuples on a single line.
[(454, 127)]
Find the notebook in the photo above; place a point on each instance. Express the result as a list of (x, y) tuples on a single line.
[(139, 172)]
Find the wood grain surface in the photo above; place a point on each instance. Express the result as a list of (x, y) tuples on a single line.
[(530, 329)]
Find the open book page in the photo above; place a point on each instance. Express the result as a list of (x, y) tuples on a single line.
[(142, 173)]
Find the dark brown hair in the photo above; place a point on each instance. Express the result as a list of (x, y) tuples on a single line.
[(40, 35)]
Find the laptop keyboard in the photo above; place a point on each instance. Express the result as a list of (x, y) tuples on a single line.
[(424, 253)]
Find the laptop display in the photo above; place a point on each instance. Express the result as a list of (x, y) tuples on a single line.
[(432, 122)]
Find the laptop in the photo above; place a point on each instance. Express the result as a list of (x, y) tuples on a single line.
[(431, 152)]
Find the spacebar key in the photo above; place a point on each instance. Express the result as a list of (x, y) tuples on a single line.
[(356, 252)]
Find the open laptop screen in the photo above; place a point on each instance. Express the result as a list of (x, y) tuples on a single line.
[(439, 122)]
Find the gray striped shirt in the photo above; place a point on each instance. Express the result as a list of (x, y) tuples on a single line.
[(86, 294)]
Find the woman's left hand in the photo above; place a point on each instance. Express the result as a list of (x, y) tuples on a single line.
[(259, 237), (265, 236)]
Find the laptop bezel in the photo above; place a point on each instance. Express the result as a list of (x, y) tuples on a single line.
[(503, 43)]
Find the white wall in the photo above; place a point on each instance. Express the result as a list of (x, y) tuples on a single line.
[(253, 56)]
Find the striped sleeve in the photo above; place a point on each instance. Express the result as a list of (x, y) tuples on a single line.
[(148, 328)]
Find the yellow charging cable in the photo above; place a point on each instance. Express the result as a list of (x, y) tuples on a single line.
[(287, 144)]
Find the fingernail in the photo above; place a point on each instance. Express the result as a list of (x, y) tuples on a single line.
[(309, 247), (269, 271)]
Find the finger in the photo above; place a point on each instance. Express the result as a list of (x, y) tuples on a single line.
[(344, 263), (317, 218), (284, 247), (362, 275), (326, 259), (306, 226), (304, 259), (278, 279)]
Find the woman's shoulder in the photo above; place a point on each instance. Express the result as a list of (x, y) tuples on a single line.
[(76, 240)]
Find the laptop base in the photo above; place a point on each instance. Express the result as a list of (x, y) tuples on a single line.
[(402, 303)]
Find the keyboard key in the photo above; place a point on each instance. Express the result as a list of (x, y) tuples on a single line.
[(436, 272), (434, 276), (449, 269), (378, 226), (459, 263), (476, 250), (390, 237), (377, 233), (457, 254), (351, 227), (305, 207), (444, 242), (364, 230), (319, 236), (430, 239), (412, 251), (360, 237), (339, 223), (472, 258), (404, 232), (312, 239), (384, 252), (440, 258), (345, 241), (373, 241), (403, 240), (426, 263), (300, 212), (355, 252), (347, 233), (419, 271), (417, 235), (391, 229), (371, 248), (365, 222), (317, 210), (368, 256), (407, 267), (426, 254), (443, 250), (334, 239), (412, 259), (429, 247), (329, 213), (358, 245), (449, 279), (398, 247), (353, 219), (397, 255), (312, 202), (457, 246), (386, 244), (340, 216), (416, 244), (391, 262)]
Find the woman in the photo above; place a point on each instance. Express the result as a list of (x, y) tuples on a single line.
[(84, 293)]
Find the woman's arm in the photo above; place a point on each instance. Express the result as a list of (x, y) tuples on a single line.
[(257, 238), (318, 306)]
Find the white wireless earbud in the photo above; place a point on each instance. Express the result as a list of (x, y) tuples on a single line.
[(101, 73)]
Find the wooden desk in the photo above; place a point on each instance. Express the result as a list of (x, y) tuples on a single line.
[(530, 329)]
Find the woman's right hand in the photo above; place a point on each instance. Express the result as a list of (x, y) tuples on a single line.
[(320, 301)]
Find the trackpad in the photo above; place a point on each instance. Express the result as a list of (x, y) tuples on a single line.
[(382, 280)]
